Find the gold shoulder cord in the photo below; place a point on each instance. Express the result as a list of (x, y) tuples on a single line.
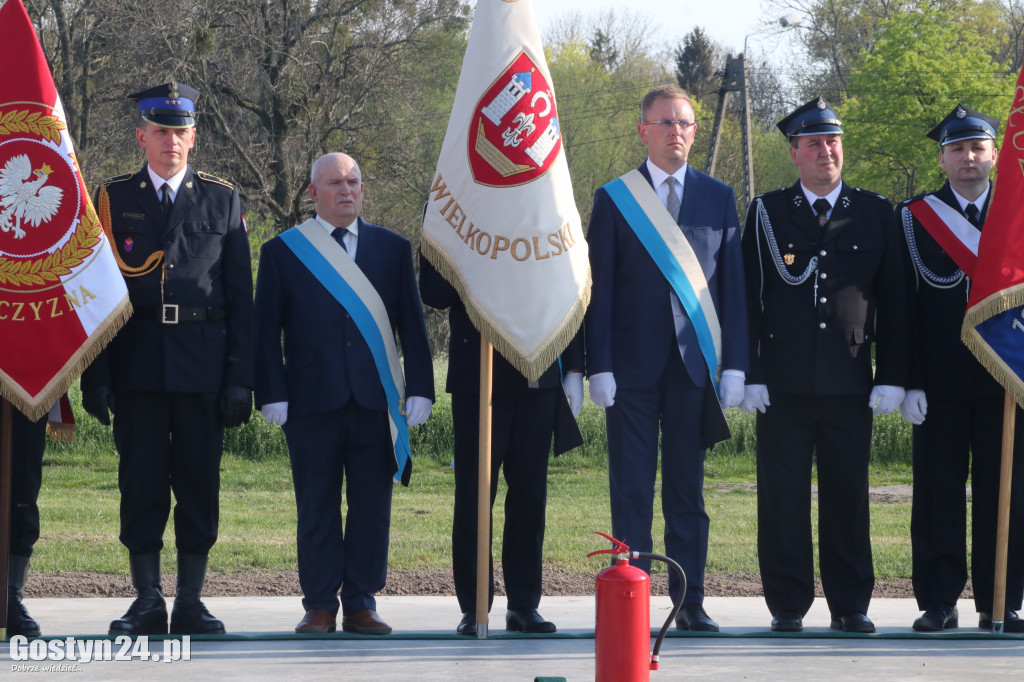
[(154, 258)]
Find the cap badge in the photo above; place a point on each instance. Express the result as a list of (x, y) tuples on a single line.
[(821, 103), (960, 113)]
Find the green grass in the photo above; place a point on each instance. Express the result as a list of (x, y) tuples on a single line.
[(79, 501)]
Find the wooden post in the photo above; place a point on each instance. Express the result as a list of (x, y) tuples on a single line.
[(483, 498), (1003, 519), (6, 423)]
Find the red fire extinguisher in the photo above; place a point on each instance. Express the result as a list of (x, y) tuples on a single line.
[(622, 637)]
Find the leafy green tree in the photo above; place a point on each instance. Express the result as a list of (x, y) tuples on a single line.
[(922, 65), (698, 60)]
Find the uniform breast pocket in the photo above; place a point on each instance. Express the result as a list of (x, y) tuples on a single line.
[(135, 238), (204, 238)]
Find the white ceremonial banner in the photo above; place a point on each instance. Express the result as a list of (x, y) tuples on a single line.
[(501, 222)]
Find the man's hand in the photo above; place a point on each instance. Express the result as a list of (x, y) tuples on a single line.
[(275, 413), (235, 406), (755, 397), (885, 399), (417, 410), (914, 407), (572, 384), (99, 403), (602, 389), (731, 387)]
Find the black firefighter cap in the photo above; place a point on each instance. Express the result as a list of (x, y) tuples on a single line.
[(964, 124), (171, 105), (813, 118)]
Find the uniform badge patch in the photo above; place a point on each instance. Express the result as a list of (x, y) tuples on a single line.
[(128, 244), (789, 259)]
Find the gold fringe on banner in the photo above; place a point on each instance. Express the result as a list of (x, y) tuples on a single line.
[(535, 365), (995, 304)]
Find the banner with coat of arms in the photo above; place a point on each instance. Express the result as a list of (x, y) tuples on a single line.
[(61, 295), (501, 222)]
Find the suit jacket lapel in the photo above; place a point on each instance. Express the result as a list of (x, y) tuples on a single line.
[(841, 217), (688, 209), (802, 214), (184, 201), (149, 201)]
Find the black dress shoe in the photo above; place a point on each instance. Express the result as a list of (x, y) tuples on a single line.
[(787, 621), (189, 616), (853, 622), (938, 618), (467, 626), (526, 621), (1011, 621), (694, 617)]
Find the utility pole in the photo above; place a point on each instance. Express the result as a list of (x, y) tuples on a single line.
[(734, 79)]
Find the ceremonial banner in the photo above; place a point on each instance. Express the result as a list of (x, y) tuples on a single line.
[(501, 222), (61, 295), (994, 324)]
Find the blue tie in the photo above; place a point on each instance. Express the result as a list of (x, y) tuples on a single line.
[(339, 236)]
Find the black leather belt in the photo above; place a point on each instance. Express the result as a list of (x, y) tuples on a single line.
[(171, 313)]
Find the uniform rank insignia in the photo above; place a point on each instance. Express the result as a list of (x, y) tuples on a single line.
[(128, 244), (789, 259)]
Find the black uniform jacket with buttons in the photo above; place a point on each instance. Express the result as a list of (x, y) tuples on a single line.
[(940, 363), (206, 264), (818, 341)]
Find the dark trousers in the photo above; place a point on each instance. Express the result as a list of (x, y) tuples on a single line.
[(325, 449), (836, 432), (633, 423), (168, 442), (521, 430), (28, 441), (957, 438)]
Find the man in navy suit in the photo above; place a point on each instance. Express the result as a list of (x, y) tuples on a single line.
[(645, 363), (327, 394)]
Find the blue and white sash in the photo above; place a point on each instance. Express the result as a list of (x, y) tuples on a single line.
[(672, 253), (343, 279)]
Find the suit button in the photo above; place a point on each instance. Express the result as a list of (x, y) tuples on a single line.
[(824, 275), (170, 266), (854, 247), (348, 343), (822, 325), (822, 253), (822, 300)]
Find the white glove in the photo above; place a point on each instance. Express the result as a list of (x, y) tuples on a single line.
[(731, 387), (275, 413), (914, 407), (602, 389), (572, 384), (885, 399), (755, 397), (417, 410)]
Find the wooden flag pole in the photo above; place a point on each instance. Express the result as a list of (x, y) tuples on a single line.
[(1003, 519), (6, 423), (483, 498)]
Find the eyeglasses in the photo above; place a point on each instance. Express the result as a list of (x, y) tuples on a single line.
[(668, 124)]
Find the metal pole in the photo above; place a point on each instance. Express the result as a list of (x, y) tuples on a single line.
[(483, 498), (6, 420), (748, 150), (1003, 518)]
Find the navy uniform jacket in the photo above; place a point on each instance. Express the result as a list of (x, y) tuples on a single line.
[(464, 357), (206, 265), (629, 326), (818, 341), (941, 365), (326, 361)]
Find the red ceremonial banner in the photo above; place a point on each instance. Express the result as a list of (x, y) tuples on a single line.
[(994, 324), (62, 296)]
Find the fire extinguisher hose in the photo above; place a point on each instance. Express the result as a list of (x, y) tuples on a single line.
[(676, 605)]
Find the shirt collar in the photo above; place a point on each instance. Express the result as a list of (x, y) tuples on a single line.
[(353, 228), (658, 176), (832, 196), (979, 202), (174, 181)]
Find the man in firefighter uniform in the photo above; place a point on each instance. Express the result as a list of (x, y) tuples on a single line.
[(181, 369), (527, 418), (824, 282), (954, 403)]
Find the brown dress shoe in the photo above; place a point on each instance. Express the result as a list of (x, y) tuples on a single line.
[(365, 622), (316, 621)]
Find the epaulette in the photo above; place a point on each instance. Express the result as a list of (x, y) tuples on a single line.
[(870, 193), (214, 179), (772, 193), (922, 195), (119, 178)]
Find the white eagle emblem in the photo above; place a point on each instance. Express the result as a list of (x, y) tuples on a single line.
[(23, 198)]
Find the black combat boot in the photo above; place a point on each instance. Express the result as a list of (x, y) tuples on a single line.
[(18, 620), (148, 614), (189, 615)]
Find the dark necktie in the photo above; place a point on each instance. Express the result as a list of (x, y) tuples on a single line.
[(672, 204), (821, 209), (339, 236), (165, 201), (973, 215)]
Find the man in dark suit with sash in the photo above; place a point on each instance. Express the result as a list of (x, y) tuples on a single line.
[(952, 400), (667, 315), (339, 288), (180, 371), (824, 281)]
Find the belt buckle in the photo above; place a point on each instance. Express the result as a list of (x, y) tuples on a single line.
[(169, 313)]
